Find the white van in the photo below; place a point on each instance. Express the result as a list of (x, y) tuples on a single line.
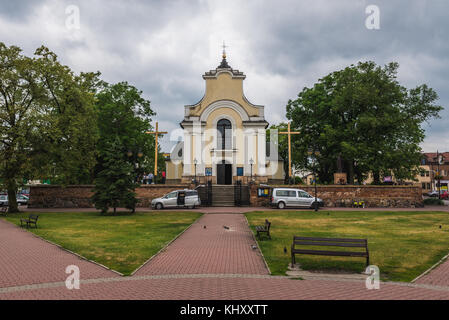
[(177, 199), (290, 197)]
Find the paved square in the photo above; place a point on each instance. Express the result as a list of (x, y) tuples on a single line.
[(203, 263)]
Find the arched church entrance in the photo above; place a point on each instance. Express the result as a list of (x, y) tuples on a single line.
[(224, 143)]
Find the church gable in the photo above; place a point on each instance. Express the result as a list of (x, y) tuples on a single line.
[(224, 135), (224, 84)]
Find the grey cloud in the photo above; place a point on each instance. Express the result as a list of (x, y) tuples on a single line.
[(163, 47)]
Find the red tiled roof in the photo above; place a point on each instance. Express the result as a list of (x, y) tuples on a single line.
[(430, 156)]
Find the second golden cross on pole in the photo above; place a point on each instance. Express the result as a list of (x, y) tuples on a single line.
[(289, 149), (156, 134)]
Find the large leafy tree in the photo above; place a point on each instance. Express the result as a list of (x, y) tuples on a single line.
[(66, 151), (21, 115), (123, 118), (46, 126), (362, 120)]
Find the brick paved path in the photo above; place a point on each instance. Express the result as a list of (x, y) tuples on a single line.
[(31, 268), (438, 276), (26, 259), (213, 249), (218, 288)]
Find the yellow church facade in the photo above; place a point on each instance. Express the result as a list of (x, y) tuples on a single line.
[(224, 136)]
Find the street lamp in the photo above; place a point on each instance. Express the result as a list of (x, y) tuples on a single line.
[(315, 154), (195, 162), (251, 162)]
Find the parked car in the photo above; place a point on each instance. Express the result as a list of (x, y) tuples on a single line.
[(434, 193), (177, 199), (289, 197), (445, 195), (21, 200), (3, 200)]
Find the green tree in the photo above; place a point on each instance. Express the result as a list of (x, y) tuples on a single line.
[(65, 151), (364, 119), (21, 114), (46, 125), (123, 118), (115, 184)]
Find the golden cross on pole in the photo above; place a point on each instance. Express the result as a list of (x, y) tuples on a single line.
[(156, 134), (289, 149)]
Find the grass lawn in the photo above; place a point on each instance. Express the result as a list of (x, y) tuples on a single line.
[(401, 244), (122, 242)]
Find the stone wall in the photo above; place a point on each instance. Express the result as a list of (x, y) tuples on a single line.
[(78, 196), (344, 195)]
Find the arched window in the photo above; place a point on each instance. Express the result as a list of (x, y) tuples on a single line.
[(224, 135)]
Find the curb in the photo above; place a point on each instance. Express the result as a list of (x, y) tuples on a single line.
[(431, 268)]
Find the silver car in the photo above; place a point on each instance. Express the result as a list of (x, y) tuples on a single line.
[(177, 199), (287, 197)]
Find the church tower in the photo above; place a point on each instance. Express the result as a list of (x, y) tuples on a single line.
[(224, 135)]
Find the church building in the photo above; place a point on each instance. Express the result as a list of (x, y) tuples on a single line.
[(224, 136)]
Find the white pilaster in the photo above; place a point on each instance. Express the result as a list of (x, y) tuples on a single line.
[(187, 152), (261, 152)]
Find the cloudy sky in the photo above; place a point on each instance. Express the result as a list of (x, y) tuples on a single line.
[(164, 47)]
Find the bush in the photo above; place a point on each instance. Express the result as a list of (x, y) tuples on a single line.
[(433, 202)]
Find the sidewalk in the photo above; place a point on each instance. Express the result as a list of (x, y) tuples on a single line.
[(26, 259), (207, 247), (203, 263), (243, 209)]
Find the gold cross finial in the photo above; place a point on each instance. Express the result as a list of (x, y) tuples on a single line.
[(224, 50)]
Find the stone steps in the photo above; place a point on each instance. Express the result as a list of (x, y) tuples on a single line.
[(223, 196)]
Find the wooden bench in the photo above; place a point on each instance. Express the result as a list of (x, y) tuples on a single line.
[(4, 210), (264, 229), (330, 242), (32, 219)]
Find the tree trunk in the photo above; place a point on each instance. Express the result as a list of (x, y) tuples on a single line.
[(351, 172), (12, 198), (115, 210), (376, 177)]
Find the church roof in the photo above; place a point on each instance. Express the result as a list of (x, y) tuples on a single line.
[(224, 67), (224, 64)]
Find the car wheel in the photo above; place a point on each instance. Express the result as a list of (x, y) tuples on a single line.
[(281, 205), (158, 206)]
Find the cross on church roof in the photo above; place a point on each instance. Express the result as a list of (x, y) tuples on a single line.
[(224, 64), (224, 50)]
